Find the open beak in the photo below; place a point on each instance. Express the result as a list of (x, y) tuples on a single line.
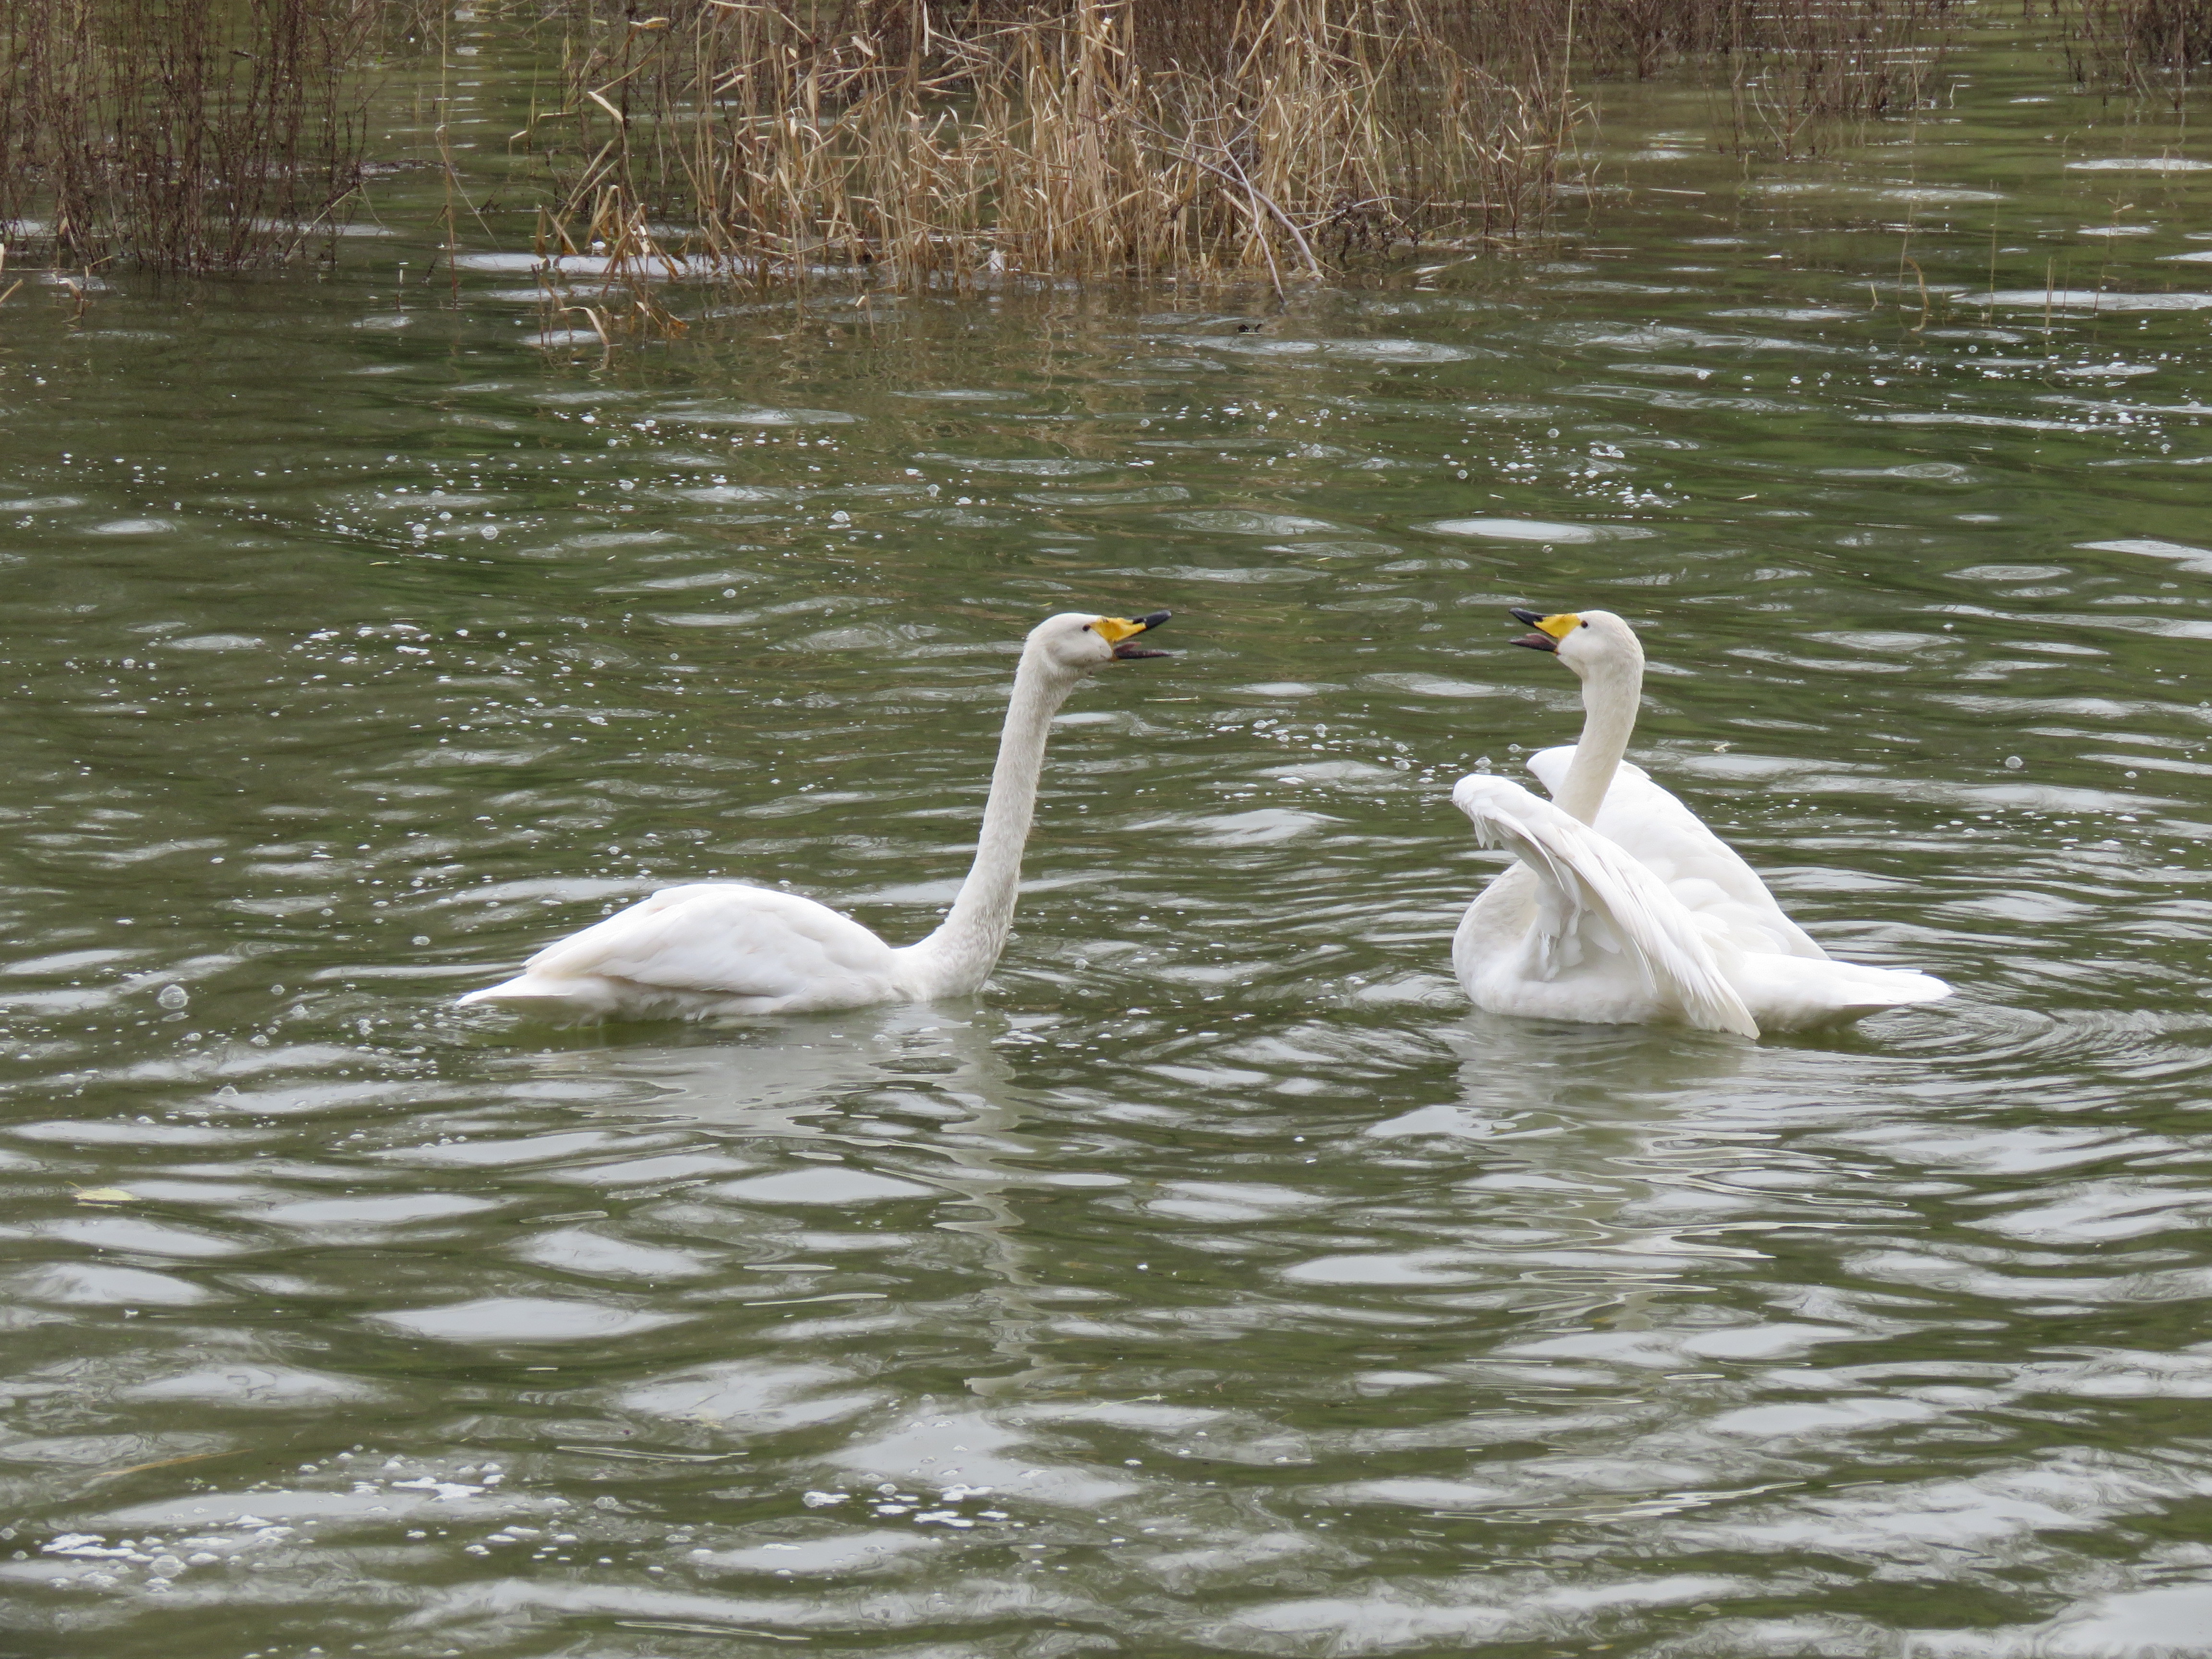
[(1549, 630), (1122, 632)]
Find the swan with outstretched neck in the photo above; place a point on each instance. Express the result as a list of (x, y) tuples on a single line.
[(731, 948), (1623, 907)]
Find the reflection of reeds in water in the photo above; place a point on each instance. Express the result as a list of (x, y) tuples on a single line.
[(1800, 73), (1060, 137), (2146, 45), (190, 135), (1804, 71)]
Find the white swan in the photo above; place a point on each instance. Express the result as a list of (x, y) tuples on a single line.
[(727, 948), (1624, 908)]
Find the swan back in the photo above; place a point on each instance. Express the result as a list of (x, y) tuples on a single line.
[(712, 945)]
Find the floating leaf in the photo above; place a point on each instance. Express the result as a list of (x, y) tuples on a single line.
[(105, 1196)]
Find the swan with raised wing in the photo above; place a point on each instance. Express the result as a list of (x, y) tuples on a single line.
[(730, 948), (1623, 907)]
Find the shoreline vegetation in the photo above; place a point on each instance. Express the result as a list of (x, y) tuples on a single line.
[(1130, 137), (919, 144)]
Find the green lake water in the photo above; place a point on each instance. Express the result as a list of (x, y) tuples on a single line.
[(1215, 1282)]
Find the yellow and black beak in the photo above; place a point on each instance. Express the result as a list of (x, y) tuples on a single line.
[(1121, 633), (1549, 630)]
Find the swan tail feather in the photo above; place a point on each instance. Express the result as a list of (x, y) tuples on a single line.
[(537, 988), (1865, 991), (1900, 988), (520, 988), (1584, 875)]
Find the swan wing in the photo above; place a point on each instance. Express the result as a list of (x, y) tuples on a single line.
[(1585, 877), (1710, 878), (724, 938)]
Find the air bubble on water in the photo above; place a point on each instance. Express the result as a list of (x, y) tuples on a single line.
[(172, 996), (2013, 762)]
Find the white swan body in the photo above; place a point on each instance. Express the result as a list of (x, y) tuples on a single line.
[(731, 948), (1624, 907)]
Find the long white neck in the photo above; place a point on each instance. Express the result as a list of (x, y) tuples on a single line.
[(1612, 691), (956, 959)]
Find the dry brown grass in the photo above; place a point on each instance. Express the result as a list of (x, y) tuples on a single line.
[(188, 135), (1065, 138)]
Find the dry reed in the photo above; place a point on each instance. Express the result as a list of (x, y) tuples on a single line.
[(187, 135), (1042, 137)]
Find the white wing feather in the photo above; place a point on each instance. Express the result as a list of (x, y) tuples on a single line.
[(1703, 872), (1585, 877)]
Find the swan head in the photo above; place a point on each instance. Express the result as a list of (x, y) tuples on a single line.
[(1588, 641), (1077, 641)]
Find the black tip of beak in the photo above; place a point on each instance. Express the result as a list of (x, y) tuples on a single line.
[(1532, 617), (1129, 649)]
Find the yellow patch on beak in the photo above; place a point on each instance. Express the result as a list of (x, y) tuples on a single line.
[(1114, 629), (1560, 626)]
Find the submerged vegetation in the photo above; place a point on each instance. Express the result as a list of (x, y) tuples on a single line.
[(919, 144)]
